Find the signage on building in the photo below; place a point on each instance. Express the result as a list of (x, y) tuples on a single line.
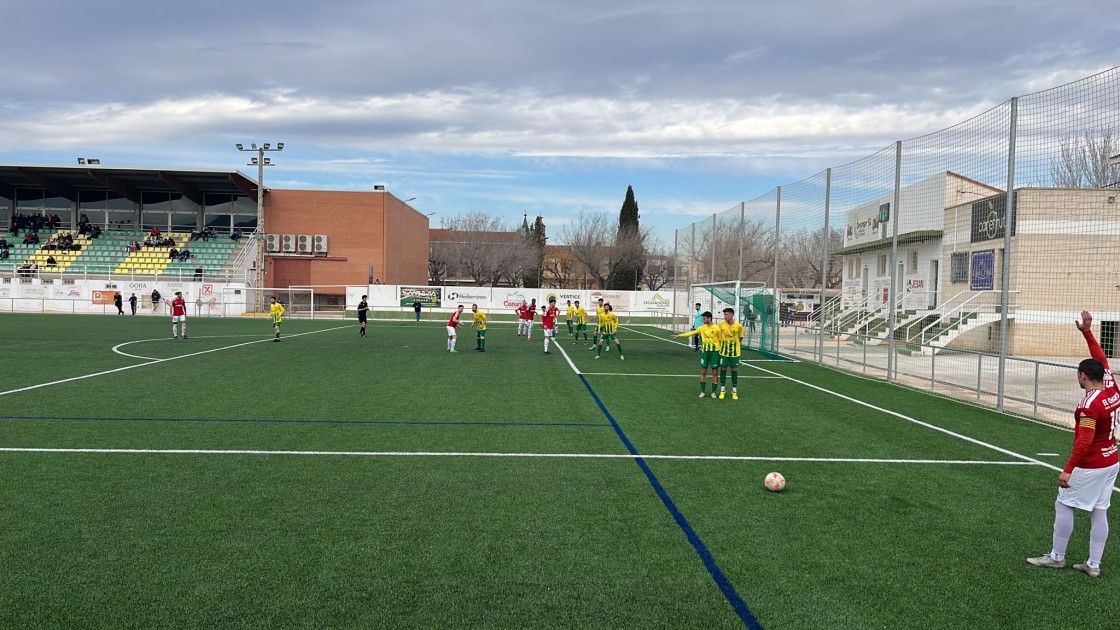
[(983, 270), (989, 219)]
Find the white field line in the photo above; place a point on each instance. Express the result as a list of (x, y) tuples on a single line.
[(152, 362), (117, 348), (560, 347), (681, 343), (927, 425), (737, 458), (667, 375)]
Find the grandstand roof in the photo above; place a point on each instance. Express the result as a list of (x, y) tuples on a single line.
[(65, 181)]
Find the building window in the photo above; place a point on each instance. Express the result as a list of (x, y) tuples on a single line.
[(958, 267), (882, 269), (913, 262)]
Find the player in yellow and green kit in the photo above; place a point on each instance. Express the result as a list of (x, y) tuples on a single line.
[(581, 322), (711, 338), (608, 332), (276, 314), (570, 314), (480, 327), (598, 324), (729, 352)]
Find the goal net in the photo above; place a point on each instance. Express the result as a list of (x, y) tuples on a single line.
[(253, 301), (753, 303)]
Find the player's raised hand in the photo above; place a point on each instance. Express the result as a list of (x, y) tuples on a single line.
[(1086, 321)]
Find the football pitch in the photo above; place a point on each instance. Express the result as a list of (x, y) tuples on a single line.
[(334, 481)]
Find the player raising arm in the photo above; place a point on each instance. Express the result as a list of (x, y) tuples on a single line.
[(710, 339), (1088, 477)]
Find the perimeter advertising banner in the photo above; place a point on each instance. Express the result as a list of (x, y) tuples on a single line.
[(430, 297), (466, 296)]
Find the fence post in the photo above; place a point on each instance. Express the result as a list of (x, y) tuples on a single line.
[(824, 262), (712, 271), (776, 319), (676, 257), (1005, 283), (892, 319)]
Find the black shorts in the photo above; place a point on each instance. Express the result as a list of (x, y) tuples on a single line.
[(362, 318)]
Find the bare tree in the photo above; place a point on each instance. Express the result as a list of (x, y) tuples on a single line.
[(719, 243), (801, 256), (591, 238), (559, 267), (659, 265), (478, 244), (1083, 162)]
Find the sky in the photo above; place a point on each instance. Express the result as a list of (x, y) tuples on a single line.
[(511, 107)]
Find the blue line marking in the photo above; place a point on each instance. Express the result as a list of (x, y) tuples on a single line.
[(283, 421), (721, 580)]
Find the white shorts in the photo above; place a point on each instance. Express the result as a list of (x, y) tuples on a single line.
[(450, 331), (175, 319), (1089, 488), (549, 332)]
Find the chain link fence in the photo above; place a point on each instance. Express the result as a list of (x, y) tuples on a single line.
[(907, 265)]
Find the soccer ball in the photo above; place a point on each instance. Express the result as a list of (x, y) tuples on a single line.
[(774, 482)]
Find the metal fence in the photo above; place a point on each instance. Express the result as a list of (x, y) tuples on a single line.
[(923, 275)]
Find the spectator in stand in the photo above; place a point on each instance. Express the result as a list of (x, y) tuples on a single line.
[(198, 272), (51, 262), (118, 302), (170, 242), (94, 231), (154, 233), (4, 243), (4, 254), (173, 254), (132, 303), (236, 235), (184, 254)]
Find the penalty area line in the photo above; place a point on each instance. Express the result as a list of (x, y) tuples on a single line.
[(733, 458)]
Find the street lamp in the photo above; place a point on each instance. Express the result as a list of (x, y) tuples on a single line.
[(260, 162)]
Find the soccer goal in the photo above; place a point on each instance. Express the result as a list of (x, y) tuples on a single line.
[(753, 303), (298, 303)]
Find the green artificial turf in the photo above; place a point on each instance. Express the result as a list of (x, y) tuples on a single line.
[(411, 530)]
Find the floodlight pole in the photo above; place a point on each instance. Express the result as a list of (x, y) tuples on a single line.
[(260, 162)]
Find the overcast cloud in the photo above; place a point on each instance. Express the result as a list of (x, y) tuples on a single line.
[(526, 106)]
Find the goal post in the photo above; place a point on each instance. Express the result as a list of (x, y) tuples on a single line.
[(754, 305), (299, 303)]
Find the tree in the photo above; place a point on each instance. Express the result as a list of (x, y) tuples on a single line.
[(533, 239), (590, 238), (801, 256), (659, 265), (1084, 162), (478, 243), (629, 247), (559, 267)]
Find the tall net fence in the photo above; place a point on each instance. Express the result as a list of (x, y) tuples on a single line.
[(908, 265)]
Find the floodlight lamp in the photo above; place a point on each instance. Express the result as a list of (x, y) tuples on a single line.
[(268, 161), (81, 160), (253, 146), (93, 161), (279, 146), (266, 145), (254, 160), (240, 147)]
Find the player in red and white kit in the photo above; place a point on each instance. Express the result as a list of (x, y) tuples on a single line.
[(520, 310), (1087, 480), (178, 308), (452, 325), (548, 321), (530, 315)]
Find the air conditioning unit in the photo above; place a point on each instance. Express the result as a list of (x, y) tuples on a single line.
[(272, 242), (289, 242), (320, 243), (305, 243)]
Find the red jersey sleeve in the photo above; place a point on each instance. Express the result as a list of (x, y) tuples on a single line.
[(1095, 350)]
